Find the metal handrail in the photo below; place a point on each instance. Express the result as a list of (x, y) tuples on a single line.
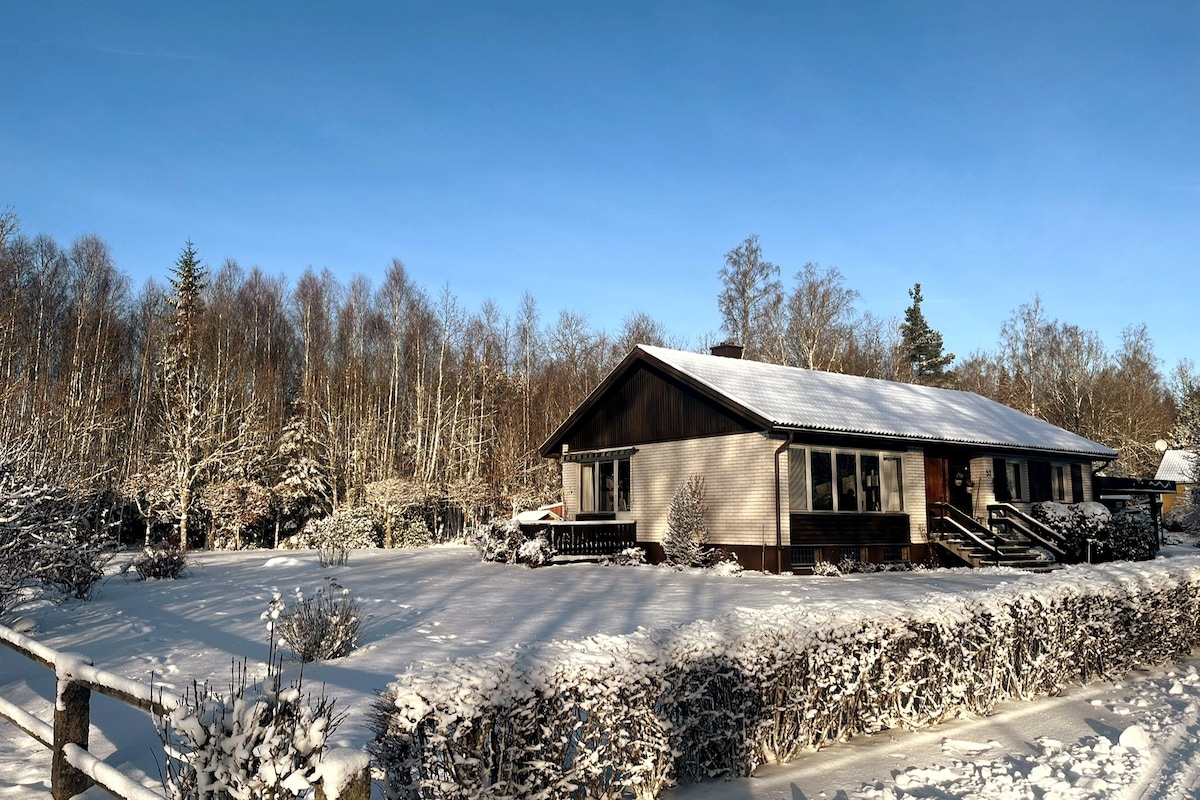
[(1045, 536)]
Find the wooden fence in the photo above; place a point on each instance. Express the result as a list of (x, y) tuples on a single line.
[(73, 769)]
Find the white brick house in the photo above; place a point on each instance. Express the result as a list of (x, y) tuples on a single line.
[(802, 465)]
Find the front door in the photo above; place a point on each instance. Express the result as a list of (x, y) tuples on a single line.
[(948, 480)]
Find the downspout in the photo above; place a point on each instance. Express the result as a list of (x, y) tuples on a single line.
[(779, 507)]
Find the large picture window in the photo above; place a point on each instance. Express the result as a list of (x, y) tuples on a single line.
[(604, 486), (847, 481)]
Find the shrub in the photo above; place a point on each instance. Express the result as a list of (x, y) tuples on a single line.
[(686, 534), (826, 569), (726, 563), (350, 528), (411, 531), (321, 627), (76, 566), (333, 555), (629, 557), (161, 563), (497, 540), (535, 552), (1077, 524), (252, 744), (1132, 536)]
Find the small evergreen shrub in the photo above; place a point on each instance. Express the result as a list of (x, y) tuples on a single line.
[(1132, 536), (687, 534), (322, 627), (160, 563), (411, 531)]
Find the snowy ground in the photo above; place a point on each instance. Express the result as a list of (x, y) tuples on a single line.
[(1132, 739)]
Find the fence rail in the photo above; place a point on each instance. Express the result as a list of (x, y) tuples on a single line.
[(590, 538), (73, 769)]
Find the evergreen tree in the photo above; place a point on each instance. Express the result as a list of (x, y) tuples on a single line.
[(686, 534), (922, 345), (1185, 433), (303, 487)]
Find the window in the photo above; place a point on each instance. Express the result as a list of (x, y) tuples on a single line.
[(1058, 483), (1012, 472), (804, 556), (893, 553), (604, 486), (847, 481), (892, 497), (797, 479)]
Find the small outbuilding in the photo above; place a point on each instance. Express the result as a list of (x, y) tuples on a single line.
[(1179, 466), (803, 466)]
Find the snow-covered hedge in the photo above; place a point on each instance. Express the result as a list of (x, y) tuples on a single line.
[(351, 528), (503, 540), (615, 716)]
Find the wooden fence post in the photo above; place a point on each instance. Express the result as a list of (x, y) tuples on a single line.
[(72, 721)]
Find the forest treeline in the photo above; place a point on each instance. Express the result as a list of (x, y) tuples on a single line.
[(241, 403)]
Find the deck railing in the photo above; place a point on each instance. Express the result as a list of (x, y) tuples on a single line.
[(586, 538)]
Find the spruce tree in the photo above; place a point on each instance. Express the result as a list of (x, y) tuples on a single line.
[(686, 534), (922, 345)]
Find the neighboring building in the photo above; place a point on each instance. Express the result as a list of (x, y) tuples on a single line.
[(1178, 466), (804, 466)]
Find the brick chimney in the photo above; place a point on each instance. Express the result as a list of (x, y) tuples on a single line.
[(727, 350)]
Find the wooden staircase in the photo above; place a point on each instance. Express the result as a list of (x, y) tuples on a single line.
[(1005, 544)]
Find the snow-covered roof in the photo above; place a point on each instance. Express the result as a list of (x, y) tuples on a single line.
[(1178, 466), (803, 399)]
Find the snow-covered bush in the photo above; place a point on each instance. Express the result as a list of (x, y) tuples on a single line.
[(251, 745), (1184, 516), (686, 535), (1131, 536), (629, 557), (497, 540), (1084, 528), (411, 531), (622, 716), (45, 541), (323, 626), (160, 563), (826, 569), (351, 528), (535, 552), (726, 563)]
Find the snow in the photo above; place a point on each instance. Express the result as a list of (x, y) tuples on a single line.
[(790, 397), (1133, 738)]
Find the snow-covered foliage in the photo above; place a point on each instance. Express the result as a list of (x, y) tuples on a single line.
[(45, 543), (157, 563), (726, 564), (1131, 536), (826, 569), (323, 626), (351, 528), (497, 540), (1184, 516), (1086, 528), (251, 745), (411, 531), (687, 534), (535, 552), (629, 557), (333, 555), (619, 716)]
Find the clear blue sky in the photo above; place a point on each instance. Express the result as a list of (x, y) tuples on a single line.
[(605, 156)]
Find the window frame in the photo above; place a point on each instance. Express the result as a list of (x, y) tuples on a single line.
[(604, 501), (833, 464)]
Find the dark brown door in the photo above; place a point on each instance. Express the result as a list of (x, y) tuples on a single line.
[(936, 480), (961, 487)]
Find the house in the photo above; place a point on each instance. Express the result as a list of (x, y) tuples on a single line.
[(803, 466), (1178, 466)]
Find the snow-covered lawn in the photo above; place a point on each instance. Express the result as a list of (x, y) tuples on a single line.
[(439, 604)]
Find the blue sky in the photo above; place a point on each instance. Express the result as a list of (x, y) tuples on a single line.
[(605, 156)]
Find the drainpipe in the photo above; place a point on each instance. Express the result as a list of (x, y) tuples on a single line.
[(779, 507)]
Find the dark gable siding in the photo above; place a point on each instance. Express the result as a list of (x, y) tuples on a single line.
[(650, 406)]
